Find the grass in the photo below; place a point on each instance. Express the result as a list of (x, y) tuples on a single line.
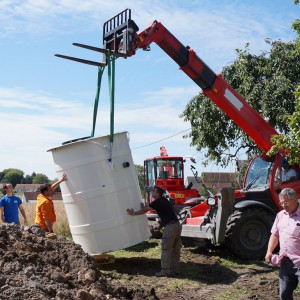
[(229, 295), (149, 252), (151, 249), (235, 263)]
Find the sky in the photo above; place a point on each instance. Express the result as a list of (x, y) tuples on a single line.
[(45, 100)]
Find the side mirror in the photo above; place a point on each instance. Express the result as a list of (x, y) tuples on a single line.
[(193, 160)]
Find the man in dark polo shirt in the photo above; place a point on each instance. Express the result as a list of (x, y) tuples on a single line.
[(171, 243)]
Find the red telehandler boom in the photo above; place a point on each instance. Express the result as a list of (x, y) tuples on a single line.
[(241, 219)]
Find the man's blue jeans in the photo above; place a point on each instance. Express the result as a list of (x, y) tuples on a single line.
[(289, 277)]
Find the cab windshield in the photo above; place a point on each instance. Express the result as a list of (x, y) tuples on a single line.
[(163, 169), (258, 174)]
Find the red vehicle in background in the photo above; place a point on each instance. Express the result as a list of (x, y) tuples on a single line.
[(167, 172)]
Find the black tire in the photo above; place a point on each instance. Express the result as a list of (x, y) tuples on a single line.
[(194, 242), (248, 232), (187, 241)]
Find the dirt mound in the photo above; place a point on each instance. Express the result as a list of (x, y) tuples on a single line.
[(34, 267)]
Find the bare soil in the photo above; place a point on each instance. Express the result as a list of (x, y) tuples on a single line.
[(35, 267), (202, 277)]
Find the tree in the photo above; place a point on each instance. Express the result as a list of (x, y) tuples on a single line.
[(14, 176), (40, 179), (290, 143), (140, 174), (27, 179), (266, 81)]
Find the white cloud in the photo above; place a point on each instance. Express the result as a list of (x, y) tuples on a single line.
[(48, 121)]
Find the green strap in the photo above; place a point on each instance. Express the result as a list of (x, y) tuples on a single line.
[(111, 84), (100, 72)]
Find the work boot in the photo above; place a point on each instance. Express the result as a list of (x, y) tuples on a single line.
[(162, 273)]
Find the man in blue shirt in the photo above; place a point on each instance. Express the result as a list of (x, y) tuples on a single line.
[(9, 205)]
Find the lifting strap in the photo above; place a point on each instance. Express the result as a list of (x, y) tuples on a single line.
[(100, 72), (111, 85)]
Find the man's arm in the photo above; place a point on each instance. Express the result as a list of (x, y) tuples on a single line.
[(143, 210), (273, 242), (22, 210), (57, 183), (49, 225), (2, 213)]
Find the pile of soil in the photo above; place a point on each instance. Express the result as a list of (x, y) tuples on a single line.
[(33, 266)]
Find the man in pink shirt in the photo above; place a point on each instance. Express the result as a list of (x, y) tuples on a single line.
[(286, 231)]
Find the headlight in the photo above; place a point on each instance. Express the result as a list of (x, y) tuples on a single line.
[(211, 201)]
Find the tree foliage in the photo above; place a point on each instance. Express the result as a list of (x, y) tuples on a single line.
[(27, 179), (290, 143), (267, 81), (40, 178), (140, 175), (14, 176)]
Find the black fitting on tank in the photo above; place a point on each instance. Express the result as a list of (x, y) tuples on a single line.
[(126, 164)]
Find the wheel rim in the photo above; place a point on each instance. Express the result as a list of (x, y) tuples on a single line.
[(253, 235)]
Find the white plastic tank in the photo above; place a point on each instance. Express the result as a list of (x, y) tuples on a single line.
[(102, 183)]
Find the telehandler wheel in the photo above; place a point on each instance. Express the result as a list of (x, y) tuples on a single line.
[(248, 231)]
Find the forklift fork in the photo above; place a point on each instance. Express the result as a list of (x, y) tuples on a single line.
[(118, 36)]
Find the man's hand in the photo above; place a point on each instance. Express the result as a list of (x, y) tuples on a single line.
[(64, 177), (130, 211), (268, 257), (2, 214), (49, 225)]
